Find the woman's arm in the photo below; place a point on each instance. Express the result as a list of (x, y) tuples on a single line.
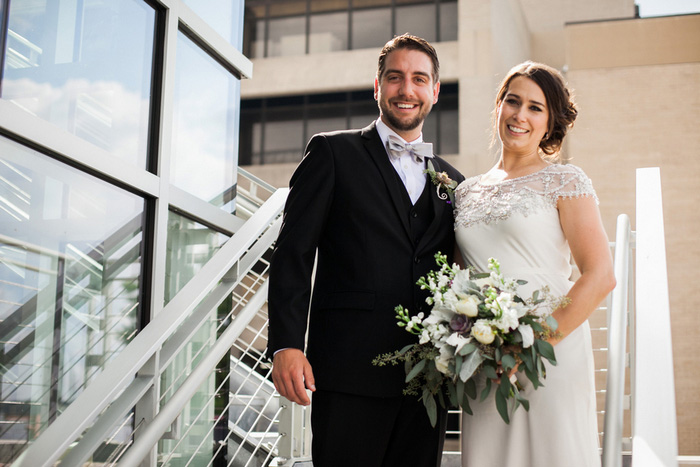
[(583, 229)]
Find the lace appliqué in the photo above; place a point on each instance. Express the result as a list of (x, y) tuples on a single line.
[(486, 203)]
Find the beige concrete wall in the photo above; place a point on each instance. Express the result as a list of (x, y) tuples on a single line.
[(638, 110)]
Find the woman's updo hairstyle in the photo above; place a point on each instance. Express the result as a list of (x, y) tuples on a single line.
[(560, 104)]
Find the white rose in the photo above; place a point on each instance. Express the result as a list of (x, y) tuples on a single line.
[(527, 334), (467, 305), (483, 332)]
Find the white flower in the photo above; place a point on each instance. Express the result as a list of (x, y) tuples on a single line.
[(527, 334), (442, 362), (508, 320), (424, 337), (483, 332), (468, 305), (486, 281), (458, 341)]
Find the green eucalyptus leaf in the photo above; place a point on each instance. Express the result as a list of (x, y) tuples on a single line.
[(502, 407), (467, 349), (487, 389), (406, 349), (431, 408), (415, 370), (508, 362), (489, 372), (470, 388), (552, 322), (452, 394), (546, 350)]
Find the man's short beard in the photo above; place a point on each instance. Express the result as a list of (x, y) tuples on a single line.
[(396, 123)]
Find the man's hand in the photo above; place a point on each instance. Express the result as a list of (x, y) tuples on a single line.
[(292, 375)]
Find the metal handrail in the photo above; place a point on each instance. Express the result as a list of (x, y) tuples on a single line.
[(117, 382), (617, 352)]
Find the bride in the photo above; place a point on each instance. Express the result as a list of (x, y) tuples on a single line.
[(533, 214)]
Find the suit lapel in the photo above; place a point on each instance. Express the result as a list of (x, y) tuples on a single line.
[(439, 207), (373, 144)]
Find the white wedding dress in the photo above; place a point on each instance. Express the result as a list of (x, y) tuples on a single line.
[(516, 221)]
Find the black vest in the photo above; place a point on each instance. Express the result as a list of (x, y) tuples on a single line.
[(421, 214)]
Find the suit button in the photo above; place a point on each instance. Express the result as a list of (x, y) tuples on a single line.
[(417, 260), (414, 214)]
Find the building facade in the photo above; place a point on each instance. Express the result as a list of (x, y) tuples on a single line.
[(635, 80)]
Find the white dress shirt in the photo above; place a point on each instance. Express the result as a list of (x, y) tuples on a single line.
[(410, 170)]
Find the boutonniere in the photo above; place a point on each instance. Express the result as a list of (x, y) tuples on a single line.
[(442, 181)]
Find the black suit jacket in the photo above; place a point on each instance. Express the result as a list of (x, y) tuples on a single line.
[(345, 201)]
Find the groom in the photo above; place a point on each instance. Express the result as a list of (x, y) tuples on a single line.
[(361, 201)]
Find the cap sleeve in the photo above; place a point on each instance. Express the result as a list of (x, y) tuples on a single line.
[(570, 182)]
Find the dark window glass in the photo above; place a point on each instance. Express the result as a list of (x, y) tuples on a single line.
[(371, 28), (276, 130), (287, 36), (328, 32), (448, 21), (418, 20)]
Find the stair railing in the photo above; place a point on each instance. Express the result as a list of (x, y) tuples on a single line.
[(110, 396)]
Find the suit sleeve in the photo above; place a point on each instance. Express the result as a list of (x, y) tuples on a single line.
[(306, 210)]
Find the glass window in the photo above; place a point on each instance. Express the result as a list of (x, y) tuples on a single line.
[(418, 20), (287, 36), (371, 28), (224, 17), (205, 133), (190, 246), (70, 284), (284, 139), (448, 21), (85, 67), (328, 32)]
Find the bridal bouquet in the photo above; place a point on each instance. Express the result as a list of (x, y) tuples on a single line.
[(478, 324)]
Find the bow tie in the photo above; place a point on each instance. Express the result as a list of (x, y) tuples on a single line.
[(419, 150)]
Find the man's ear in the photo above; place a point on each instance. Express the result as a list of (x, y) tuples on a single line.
[(436, 92), (376, 88)]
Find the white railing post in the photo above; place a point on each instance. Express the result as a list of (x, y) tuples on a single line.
[(654, 416), (617, 333), (295, 434)]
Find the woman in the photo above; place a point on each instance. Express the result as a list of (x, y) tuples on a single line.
[(533, 214)]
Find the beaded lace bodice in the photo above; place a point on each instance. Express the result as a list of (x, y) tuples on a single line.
[(477, 203)]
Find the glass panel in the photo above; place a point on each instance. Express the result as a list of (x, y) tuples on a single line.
[(418, 20), (370, 3), (448, 21), (205, 134), (224, 17), (287, 8), (70, 280), (284, 139), (449, 132), (190, 245), (287, 36), (329, 32), (85, 67), (371, 28), (329, 5)]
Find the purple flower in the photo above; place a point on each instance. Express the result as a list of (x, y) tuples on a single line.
[(460, 324)]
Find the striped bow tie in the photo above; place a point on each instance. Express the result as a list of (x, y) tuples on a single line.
[(419, 150)]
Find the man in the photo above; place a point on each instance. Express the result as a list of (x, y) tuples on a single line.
[(375, 219)]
